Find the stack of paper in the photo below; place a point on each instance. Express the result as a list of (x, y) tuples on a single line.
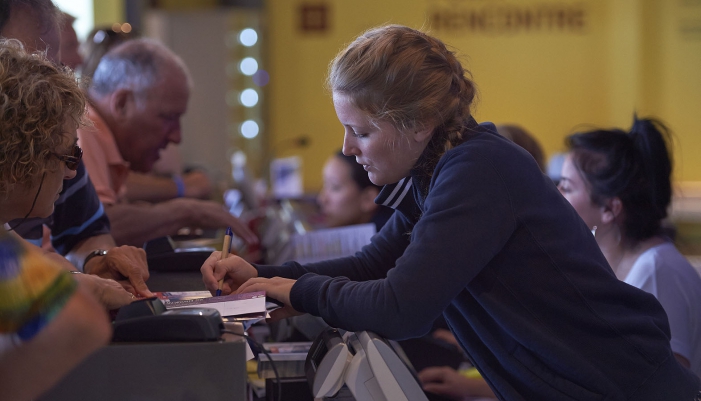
[(324, 244), (247, 308)]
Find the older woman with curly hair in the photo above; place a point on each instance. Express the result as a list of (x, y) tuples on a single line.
[(41, 108), (48, 322)]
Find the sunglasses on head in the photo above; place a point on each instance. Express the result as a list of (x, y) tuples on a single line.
[(73, 160)]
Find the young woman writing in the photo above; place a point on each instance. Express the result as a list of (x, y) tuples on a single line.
[(479, 235)]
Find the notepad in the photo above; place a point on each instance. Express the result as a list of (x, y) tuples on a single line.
[(248, 305)]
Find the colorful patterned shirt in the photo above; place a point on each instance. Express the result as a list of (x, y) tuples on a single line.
[(33, 290)]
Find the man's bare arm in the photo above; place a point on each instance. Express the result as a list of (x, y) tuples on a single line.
[(134, 224), (151, 188), (79, 252), (125, 264)]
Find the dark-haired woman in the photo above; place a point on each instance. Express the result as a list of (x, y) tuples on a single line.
[(348, 195), (619, 183), (479, 235)]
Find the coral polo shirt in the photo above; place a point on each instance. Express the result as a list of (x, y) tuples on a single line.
[(107, 169)]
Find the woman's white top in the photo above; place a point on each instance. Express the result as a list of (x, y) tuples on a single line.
[(665, 273)]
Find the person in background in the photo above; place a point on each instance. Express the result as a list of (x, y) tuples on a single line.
[(79, 227), (69, 52), (480, 235), (161, 187), (99, 41), (620, 184), (348, 195), (32, 22), (347, 198), (524, 139), (70, 57), (49, 321), (167, 180), (138, 94), (451, 384)]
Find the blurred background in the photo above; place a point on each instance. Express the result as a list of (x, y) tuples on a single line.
[(550, 66)]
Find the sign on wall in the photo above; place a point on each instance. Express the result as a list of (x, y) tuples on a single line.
[(506, 18)]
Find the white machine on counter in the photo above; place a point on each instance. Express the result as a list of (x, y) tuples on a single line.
[(373, 368)]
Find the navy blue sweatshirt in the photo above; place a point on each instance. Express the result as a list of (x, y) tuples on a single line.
[(484, 238)]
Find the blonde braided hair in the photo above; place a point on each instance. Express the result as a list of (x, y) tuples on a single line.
[(401, 75)]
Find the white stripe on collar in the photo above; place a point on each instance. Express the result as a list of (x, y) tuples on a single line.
[(403, 185)]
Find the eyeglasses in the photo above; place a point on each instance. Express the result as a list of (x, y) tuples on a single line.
[(73, 160)]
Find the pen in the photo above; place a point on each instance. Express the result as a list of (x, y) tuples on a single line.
[(224, 253)]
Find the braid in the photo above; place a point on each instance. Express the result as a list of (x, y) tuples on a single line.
[(410, 79), (452, 131)]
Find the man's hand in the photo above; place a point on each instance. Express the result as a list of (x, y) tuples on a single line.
[(276, 287), (234, 270), (208, 214), (197, 185), (444, 381), (108, 292), (120, 263), (448, 382), (446, 336)]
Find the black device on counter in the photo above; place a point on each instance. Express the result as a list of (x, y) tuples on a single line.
[(147, 320), (163, 256)]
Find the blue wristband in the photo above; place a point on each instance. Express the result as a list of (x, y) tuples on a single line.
[(178, 180)]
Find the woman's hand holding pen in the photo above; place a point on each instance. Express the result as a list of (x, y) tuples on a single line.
[(276, 287), (240, 276), (234, 270)]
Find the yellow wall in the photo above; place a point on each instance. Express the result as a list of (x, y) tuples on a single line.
[(598, 64), (672, 77), (181, 5), (108, 12)]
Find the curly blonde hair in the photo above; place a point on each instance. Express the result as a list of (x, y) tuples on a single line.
[(37, 98)]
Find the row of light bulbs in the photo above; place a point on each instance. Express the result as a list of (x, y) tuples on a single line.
[(249, 97)]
